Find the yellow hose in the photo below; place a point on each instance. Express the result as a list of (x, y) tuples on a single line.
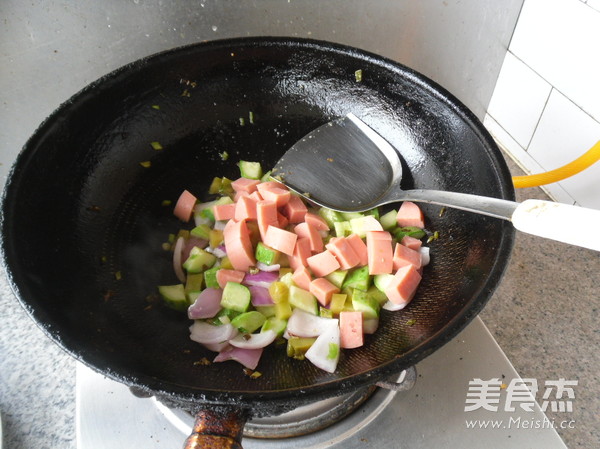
[(581, 163)]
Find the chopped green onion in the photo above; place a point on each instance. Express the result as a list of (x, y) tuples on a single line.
[(242, 121), (358, 75), (146, 164), (155, 106), (156, 145), (251, 117), (224, 155), (435, 236), (166, 203)]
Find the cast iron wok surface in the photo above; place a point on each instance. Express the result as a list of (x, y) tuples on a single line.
[(80, 211)]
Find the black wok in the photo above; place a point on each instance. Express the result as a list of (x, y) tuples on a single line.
[(83, 220)]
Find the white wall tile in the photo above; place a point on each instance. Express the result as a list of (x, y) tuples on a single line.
[(559, 40), (524, 160), (594, 4), (564, 133), (518, 99)]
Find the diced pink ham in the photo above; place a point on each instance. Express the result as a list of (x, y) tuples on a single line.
[(411, 242), (323, 290), (380, 253), (301, 253), (282, 220), (316, 222), (245, 209), (281, 240), (351, 329), (224, 276), (359, 247), (403, 255), (302, 278), (295, 210), (266, 215), (224, 211), (403, 285), (238, 245), (343, 252), (410, 214), (312, 234), (245, 185), (273, 191), (322, 264), (185, 206)]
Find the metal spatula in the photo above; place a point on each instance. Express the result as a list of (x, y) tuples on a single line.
[(346, 166)]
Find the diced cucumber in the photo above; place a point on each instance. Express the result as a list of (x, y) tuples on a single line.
[(174, 296), (303, 300), (351, 215), (411, 231), (388, 221), (357, 226), (275, 324), (330, 216), (373, 212), (266, 177), (267, 311), (248, 322), (226, 188), (266, 255), (297, 347), (215, 186), (381, 281), (283, 271), (226, 263), (342, 228), (337, 277), (287, 279), (192, 295), (283, 310), (215, 238), (222, 201), (199, 261), (193, 282), (236, 296), (201, 231), (377, 295), (325, 312), (362, 302), (358, 278), (251, 170), (279, 292), (338, 300), (210, 277), (223, 316)]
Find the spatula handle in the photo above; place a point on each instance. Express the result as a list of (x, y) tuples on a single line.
[(561, 222)]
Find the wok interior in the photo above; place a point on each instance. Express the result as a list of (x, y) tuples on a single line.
[(80, 210)]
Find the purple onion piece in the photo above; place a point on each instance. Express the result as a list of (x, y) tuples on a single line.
[(247, 357), (206, 305), (260, 296), (261, 279)]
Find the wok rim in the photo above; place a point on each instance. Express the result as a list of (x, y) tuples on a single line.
[(185, 394)]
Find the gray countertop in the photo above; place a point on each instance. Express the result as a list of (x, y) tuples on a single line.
[(544, 315)]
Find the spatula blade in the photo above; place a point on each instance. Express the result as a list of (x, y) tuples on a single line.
[(343, 165)]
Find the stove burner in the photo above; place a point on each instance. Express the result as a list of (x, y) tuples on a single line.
[(307, 418)]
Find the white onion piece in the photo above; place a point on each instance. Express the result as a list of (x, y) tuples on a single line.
[(206, 305), (393, 307), (370, 325), (220, 225), (247, 357), (219, 252), (425, 258), (177, 262), (218, 347), (320, 350), (254, 341), (304, 324), (323, 234), (205, 333), (200, 220), (264, 267)]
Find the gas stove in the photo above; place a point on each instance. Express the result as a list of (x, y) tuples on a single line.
[(430, 414)]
